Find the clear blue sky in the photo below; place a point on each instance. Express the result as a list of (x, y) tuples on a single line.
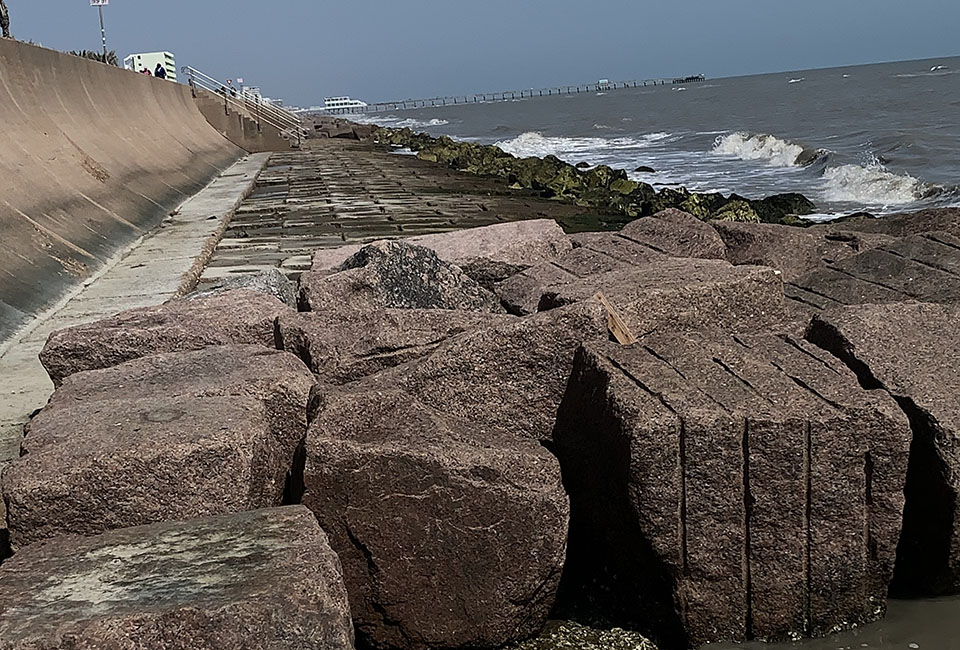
[(303, 50)]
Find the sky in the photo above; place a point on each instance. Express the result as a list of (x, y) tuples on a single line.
[(303, 50)]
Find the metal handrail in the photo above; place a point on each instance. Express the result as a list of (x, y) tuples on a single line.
[(288, 124), (214, 85)]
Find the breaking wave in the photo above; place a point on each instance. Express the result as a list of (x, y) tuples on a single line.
[(397, 122), (868, 184), (873, 184), (534, 143), (763, 147)]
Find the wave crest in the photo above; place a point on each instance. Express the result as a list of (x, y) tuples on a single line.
[(873, 185), (746, 146), (534, 143), (397, 122)]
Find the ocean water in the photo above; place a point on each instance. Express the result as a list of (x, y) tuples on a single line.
[(881, 137)]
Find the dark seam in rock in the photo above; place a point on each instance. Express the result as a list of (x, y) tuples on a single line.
[(747, 515), (932, 236), (372, 572), (870, 282), (672, 367), (802, 301), (645, 244), (278, 335), (384, 351), (643, 386), (802, 384), (739, 341), (736, 376), (789, 340), (815, 292), (929, 265), (808, 529)]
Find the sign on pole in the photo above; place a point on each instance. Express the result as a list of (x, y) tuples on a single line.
[(100, 4)]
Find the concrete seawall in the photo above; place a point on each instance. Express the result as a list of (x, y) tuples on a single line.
[(91, 157)]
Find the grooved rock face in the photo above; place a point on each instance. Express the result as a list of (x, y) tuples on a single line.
[(163, 437), (597, 253), (901, 225), (267, 580), (911, 350), (791, 250), (341, 347), (395, 274), (240, 316), (922, 267), (678, 234), (681, 294), (653, 292), (452, 532), (729, 488)]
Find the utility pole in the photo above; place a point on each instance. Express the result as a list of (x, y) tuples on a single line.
[(99, 4)]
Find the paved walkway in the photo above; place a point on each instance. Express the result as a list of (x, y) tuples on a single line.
[(338, 192), (159, 266)]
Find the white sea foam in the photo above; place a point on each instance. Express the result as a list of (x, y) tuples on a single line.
[(870, 185), (534, 143), (745, 146), (397, 122)]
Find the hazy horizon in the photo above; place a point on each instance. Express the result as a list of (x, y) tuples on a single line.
[(302, 51)]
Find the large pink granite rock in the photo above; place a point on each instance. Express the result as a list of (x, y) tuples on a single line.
[(517, 244), (394, 274), (791, 250), (342, 346), (730, 487), (452, 532), (681, 294), (508, 376), (678, 234), (911, 350), (240, 316), (164, 437), (263, 580)]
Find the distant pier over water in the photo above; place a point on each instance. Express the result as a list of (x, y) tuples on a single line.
[(603, 85)]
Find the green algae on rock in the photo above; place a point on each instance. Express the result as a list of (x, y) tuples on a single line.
[(567, 635), (603, 188)]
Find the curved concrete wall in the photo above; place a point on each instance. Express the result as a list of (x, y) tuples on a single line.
[(238, 127), (91, 157)]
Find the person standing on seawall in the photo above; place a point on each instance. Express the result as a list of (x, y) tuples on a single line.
[(5, 19), (160, 72)]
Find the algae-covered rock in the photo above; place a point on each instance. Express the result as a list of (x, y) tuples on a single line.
[(568, 182), (568, 635), (737, 211), (602, 188), (604, 176), (624, 186), (780, 207), (703, 205)]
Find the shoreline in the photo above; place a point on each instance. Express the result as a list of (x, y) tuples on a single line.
[(451, 416)]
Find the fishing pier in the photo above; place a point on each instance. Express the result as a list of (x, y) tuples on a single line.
[(603, 85)]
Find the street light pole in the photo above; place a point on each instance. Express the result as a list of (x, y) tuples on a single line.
[(103, 33)]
